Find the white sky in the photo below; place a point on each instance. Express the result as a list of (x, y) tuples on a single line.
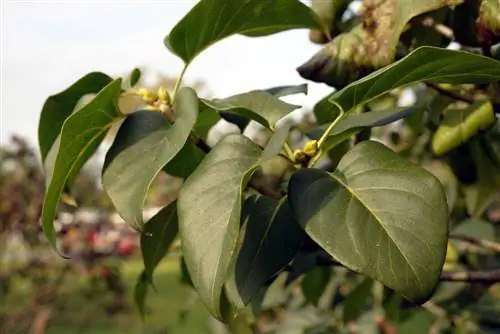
[(47, 45)]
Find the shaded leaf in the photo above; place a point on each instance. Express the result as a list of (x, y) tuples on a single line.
[(450, 183), (144, 144), (140, 293), (60, 106), (459, 125), (209, 209), (379, 215), (368, 46), (257, 105), (81, 135), (281, 91), (354, 123), (186, 161), (314, 283), (272, 237), (356, 301), (135, 76), (210, 21), (480, 194), (159, 233), (475, 228), (424, 64)]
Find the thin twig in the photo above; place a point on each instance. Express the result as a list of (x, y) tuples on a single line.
[(479, 276), (450, 94), (440, 28), (494, 246)]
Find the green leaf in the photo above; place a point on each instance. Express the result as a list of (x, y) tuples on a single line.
[(60, 106), (430, 64), (211, 21), (450, 183), (159, 233), (475, 228), (186, 161), (144, 144), (135, 76), (140, 292), (354, 123), (370, 45), (272, 237), (257, 105), (281, 91), (482, 193), (314, 283), (81, 135), (209, 209), (459, 125), (379, 215), (356, 301)]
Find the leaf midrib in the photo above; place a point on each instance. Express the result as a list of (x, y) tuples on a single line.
[(379, 220)]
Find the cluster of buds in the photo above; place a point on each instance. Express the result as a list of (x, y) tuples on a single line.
[(303, 156), (159, 101)]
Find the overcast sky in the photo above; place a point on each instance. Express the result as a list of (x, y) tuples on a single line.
[(47, 45)]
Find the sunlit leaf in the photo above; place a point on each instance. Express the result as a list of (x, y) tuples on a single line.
[(258, 105), (430, 64), (459, 125), (377, 214), (144, 144), (210, 21), (60, 106), (209, 209), (81, 135)]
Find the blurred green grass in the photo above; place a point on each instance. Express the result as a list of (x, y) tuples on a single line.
[(163, 307)]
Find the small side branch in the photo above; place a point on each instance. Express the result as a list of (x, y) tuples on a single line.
[(486, 244), (450, 94), (479, 276)]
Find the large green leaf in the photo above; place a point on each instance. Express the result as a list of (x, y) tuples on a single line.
[(144, 144), (459, 125), (159, 233), (354, 123), (81, 135), (60, 106), (379, 215), (430, 64), (212, 20), (258, 105), (272, 237), (209, 208)]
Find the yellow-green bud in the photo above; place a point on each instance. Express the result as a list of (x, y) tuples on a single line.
[(299, 156), (311, 148), (163, 95), (147, 95)]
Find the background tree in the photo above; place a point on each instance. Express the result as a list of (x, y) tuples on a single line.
[(394, 233)]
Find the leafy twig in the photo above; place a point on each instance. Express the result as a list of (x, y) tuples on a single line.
[(450, 94)]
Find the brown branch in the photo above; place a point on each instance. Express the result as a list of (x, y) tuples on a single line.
[(479, 276), (490, 245), (450, 94), (440, 28)]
